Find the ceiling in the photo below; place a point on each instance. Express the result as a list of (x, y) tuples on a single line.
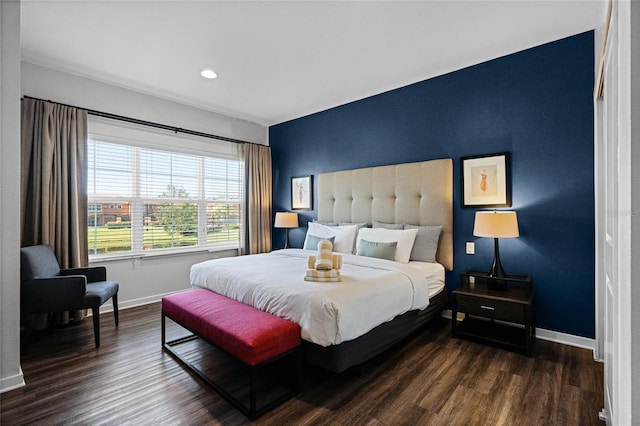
[(280, 60)]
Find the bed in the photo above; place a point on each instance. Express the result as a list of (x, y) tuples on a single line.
[(379, 302)]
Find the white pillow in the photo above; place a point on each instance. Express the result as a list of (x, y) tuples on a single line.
[(404, 238), (345, 236)]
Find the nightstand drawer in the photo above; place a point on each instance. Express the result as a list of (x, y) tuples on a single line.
[(490, 308)]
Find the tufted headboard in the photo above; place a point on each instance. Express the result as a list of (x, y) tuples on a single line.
[(414, 193)]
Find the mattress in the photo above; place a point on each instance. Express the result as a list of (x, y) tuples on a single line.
[(373, 291)]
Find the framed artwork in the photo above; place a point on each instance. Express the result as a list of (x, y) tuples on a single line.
[(301, 193), (486, 180)]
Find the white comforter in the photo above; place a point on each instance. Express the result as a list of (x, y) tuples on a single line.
[(372, 292)]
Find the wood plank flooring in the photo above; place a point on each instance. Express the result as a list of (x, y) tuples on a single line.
[(429, 379)]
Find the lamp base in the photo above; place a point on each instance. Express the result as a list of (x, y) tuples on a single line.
[(496, 284), (496, 272)]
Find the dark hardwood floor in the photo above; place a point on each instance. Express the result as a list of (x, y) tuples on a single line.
[(429, 379)]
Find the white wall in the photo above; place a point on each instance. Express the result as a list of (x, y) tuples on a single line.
[(599, 190), (10, 372), (145, 280), (57, 86), (635, 216)]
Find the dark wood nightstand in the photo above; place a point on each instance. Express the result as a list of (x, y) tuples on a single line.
[(501, 316)]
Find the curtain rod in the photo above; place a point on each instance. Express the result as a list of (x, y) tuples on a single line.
[(147, 123)]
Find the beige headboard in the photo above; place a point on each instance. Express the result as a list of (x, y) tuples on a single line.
[(415, 193)]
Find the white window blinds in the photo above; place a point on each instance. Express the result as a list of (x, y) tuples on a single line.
[(144, 201)]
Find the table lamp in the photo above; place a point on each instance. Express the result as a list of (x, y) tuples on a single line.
[(496, 225), (286, 220)]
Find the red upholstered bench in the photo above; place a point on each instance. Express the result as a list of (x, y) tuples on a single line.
[(250, 335)]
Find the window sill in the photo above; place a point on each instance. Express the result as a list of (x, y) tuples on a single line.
[(162, 253)]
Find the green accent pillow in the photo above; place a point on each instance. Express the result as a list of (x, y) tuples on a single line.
[(311, 243), (377, 249)]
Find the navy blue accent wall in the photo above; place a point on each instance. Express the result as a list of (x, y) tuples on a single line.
[(537, 104)]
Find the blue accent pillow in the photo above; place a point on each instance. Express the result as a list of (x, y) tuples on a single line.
[(311, 243), (377, 249)]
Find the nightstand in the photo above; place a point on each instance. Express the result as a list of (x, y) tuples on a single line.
[(504, 317)]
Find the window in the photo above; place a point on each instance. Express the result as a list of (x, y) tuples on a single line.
[(160, 200)]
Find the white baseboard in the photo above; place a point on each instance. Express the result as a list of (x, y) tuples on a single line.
[(108, 307), (550, 335), (13, 382), (566, 339), (143, 301), (541, 333)]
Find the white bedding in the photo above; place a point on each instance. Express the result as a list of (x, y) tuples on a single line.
[(433, 272), (373, 291)]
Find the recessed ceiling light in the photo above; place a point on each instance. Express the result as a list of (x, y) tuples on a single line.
[(208, 73)]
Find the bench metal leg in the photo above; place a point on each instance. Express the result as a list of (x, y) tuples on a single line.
[(252, 393), (252, 412)]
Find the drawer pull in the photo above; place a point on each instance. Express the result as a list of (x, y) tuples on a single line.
[(489, 308)]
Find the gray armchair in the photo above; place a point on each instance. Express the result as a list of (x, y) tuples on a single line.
[(45, 288)]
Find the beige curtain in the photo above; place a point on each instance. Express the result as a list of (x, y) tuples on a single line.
[(256, 214), (53, 180)]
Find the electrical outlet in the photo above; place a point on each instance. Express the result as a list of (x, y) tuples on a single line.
[(471, 247)]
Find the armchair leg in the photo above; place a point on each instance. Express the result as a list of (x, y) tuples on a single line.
[(96, 324), (114, 301)]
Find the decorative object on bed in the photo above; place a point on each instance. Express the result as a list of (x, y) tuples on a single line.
[(328, 276), (325, 267), (324, 261), (485, 180), (496, 225), (286, 220), (301, 193), (336, 260)]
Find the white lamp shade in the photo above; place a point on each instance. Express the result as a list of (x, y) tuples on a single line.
[(496, 225), (286, 220)]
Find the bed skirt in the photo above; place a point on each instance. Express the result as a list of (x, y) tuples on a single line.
[(338, 358)]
